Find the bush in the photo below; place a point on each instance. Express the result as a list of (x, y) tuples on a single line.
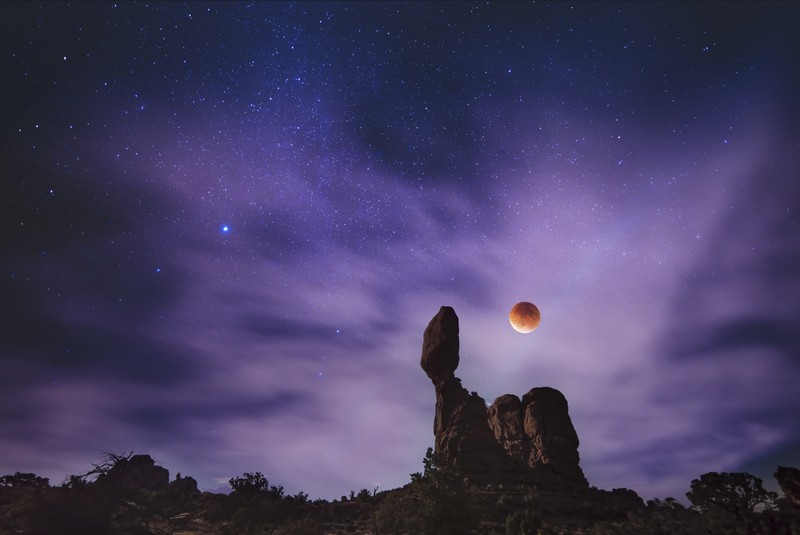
[(445, 506), (24, 481), (524, 522), (436, 503), (305, 526), (738, 493), (250, 486), (398, 514)]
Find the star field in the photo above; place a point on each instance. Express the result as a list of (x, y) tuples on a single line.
[(224, 227)]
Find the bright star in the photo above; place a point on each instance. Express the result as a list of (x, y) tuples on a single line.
[(225, 229)]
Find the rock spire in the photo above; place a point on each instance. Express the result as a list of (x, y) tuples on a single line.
[(510, 440)]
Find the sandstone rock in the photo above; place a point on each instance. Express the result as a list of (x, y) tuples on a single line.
[(546, 412), (462, 433), (549, 427), (180, 519), (184, 486), (789, 481), (139, 472), (509, 440), (505, 420), (440, 346)]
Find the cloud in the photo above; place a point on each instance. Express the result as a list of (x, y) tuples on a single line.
[(651, 218)]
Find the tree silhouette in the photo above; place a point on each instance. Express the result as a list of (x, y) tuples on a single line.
[(251, 485), (736, 492), (445, 505), (24, 480)]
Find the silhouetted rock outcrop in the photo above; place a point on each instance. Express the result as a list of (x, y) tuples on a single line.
[(554, 441), (509, 439), (789, 481), (440, 346), (537, 431), (505, 420), (139, 472), (185, 486), (460, 426)]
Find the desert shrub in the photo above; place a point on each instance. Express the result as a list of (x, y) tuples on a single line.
[(300, 497), (364, 496), (255, 506), (24, 481), (445, 506), (100, 501), (436, 502), (80, 505), (73, 511), (304, 526), (110, 463), (738, 493), (667, 504), (668, 517), (398, 514), (660, 517), (523, 522), (249, 485)]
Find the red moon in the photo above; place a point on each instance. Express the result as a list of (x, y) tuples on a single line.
[(525, 317)]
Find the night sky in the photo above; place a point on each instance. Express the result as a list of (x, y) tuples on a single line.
[(224, 228)]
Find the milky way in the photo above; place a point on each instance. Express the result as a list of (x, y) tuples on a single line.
[(224, 228)]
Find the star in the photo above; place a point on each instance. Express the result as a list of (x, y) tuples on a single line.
[(378, 165)]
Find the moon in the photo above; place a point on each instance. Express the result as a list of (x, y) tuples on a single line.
[(524, 317)]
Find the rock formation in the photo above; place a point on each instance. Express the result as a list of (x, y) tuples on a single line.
[(184, 486), (462, 434), (789, 481), (510, 440), (139, 472)]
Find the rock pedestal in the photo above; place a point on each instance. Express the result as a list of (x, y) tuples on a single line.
[(509, 440)]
